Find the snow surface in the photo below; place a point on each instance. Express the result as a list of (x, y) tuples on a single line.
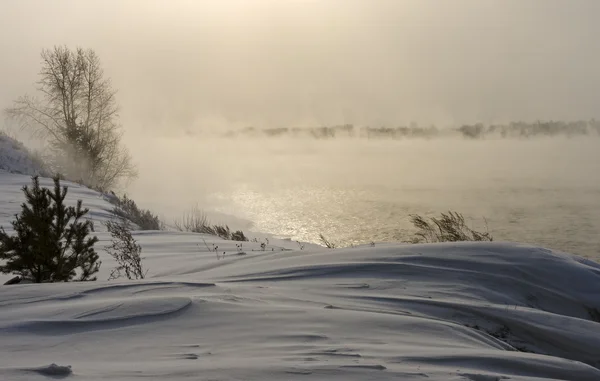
[(466, 311), (16, 158)]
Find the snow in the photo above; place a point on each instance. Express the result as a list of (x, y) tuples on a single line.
[(16, 158), (461, 311)]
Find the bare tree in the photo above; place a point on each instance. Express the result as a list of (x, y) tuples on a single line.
[(78, 115)]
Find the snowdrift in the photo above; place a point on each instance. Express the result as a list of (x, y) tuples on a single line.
[(467, 311)]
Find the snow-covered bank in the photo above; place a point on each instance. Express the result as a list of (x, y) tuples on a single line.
[(16, 158), (467, 311)]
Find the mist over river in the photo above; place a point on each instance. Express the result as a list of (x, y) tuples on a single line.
[(543, 191)]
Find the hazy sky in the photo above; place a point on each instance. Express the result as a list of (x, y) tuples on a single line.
[(199, 64)]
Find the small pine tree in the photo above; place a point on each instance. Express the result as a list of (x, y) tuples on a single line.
[(125, 250), (51, 242)]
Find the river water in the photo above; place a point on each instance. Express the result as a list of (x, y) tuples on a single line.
[(543, 191)]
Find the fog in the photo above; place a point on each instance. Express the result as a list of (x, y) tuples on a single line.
[(208, 64), (190, 66)]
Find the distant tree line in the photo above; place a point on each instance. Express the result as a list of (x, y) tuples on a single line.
[(520, 130)]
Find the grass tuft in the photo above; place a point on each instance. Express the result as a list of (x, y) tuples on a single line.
[(195, 221), (449, 227)]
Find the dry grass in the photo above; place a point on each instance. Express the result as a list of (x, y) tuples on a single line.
[(195, 221), (449, 227), (125, 251), (327, 243), (143, 218)]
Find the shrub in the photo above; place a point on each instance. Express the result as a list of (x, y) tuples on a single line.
[(125, 250), (51, 242), (195, 221), (143, 218), (449, 227)]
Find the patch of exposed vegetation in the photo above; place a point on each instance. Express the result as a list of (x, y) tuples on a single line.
[(449, 227), (326, 242), (195, 221), (125, 251), (143, 218)]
